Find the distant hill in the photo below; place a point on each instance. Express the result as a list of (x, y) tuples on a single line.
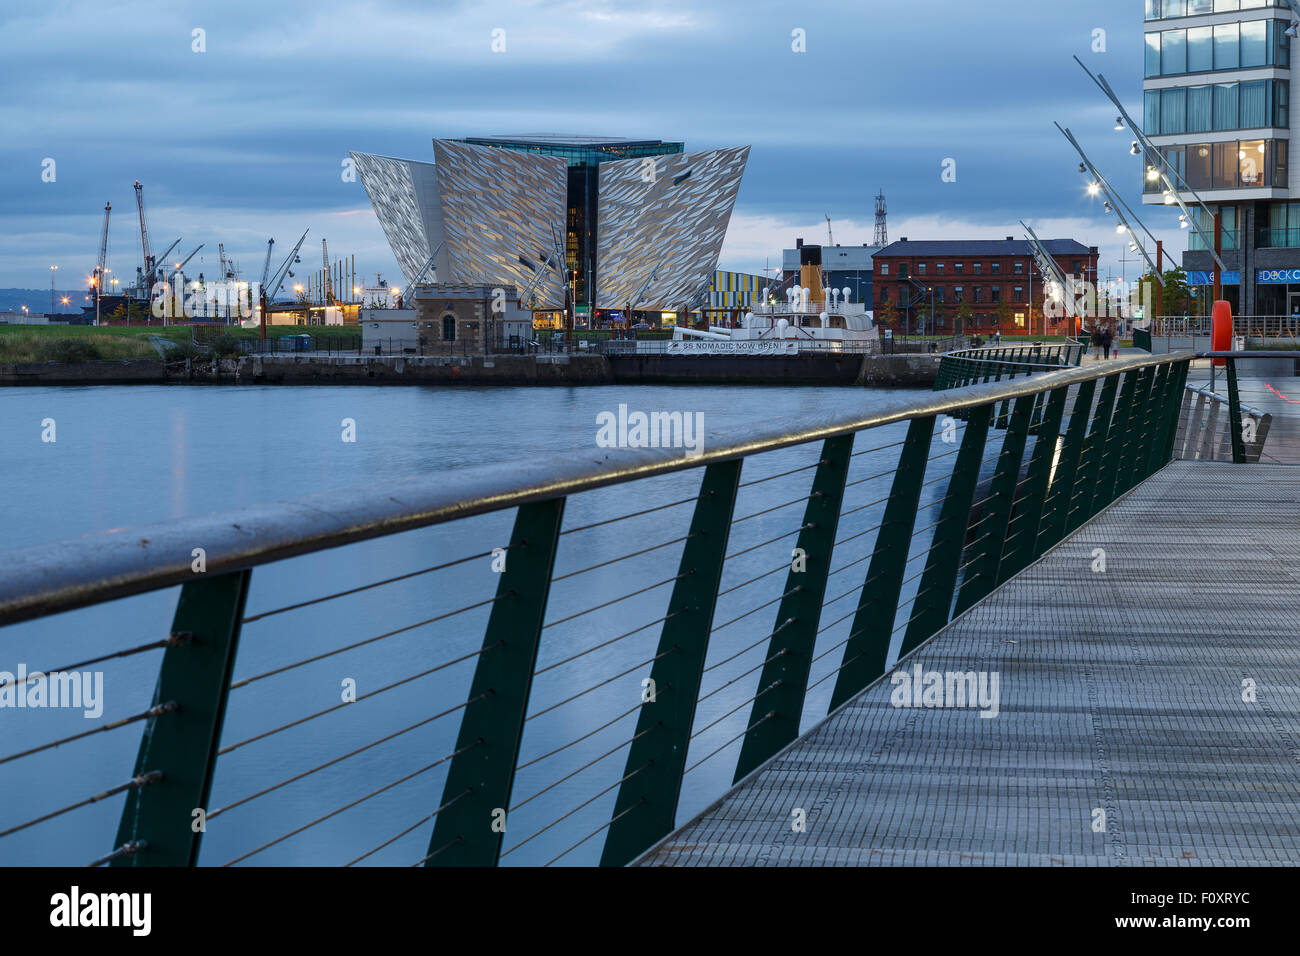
[(38, 300)]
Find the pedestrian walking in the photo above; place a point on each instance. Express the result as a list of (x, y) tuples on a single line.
[(1107, 337), (1096, 342)]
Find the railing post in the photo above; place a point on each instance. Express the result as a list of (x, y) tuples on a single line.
[(476, 795), (1133, 456), (1157, 415), (1234, 414), (1018, 556), (939, 580), (663, 729), (981, 577), (867, 648), (180, 740), (794, 635), (1179, 387), (1060, 496)]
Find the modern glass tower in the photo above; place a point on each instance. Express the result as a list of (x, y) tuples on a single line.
[(1217, 90)]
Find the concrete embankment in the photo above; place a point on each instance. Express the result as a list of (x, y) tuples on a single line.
[(289, 369), (124, 372)]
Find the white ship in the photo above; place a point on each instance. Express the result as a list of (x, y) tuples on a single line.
[(807, 321)]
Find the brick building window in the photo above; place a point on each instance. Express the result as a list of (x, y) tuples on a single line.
[(978, 267), (920, 268), (884, 294), (884, 268), (979, 293), (1019, 267), (995, 295), (449, 328), (995, 268), (959, 267), (1018, 294), (956, 293), (938, 268)]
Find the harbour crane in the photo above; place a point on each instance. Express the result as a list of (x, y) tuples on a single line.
[(144, 236), (266, 266), (102, 261), (830, 236), (184, 262), (327, 294), (284, 272), (167, 252)]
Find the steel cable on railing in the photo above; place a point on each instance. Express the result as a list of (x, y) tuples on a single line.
[(591, 763), (744, 703), (36, 675), (340, 759), (755, 547), (741, 617), (603, 826), (419, 823), (602, 564), (745, 650), (142, 780), (766, 717), (590, 733), (600, 685), (349, 806), (625, 634), (605, 604), (329, 710), (721, 687), (533, 836), (792, 471), (126, 849), (783, 566), (756, 514), (637, 514), (868, 451), (445, 846), (154, 711), (366, 587)]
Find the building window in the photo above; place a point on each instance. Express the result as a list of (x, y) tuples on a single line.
[(978, 267), (995, 294), (449, 328), (956, 293), (995, 268), (884, 268), (1228, 240), (938, 268), (1018, 294), (1282, 229), (884, 294), (1076, 267), (958, 267), (1018, 267), (938, 294), (920, 268), (902, 270), (979, 293)]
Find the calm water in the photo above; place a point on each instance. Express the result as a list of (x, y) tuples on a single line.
[(132, 455)]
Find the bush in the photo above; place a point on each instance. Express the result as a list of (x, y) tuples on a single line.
[(69, 350), (225, 346)]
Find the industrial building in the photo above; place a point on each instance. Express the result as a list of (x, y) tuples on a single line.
[(971, 286), (597, 230)]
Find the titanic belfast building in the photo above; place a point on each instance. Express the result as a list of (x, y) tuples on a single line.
[(597, 223)]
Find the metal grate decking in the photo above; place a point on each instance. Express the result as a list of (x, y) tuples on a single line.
[(1120, 691)]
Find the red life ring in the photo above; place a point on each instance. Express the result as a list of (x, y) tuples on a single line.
[(1221, 330)]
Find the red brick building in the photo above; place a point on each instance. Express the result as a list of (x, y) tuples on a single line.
[(985, 285)]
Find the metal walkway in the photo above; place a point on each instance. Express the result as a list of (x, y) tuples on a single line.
[(1120, 691)]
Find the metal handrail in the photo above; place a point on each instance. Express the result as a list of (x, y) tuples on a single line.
[(65, 575)]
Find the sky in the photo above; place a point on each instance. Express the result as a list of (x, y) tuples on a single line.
[(239, 132)]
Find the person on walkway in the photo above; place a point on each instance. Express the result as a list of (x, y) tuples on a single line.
[(1107, 337), (1096, 342), (997, 337)]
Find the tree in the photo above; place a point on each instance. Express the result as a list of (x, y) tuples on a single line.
[(886, 315), (1006, 315), (964, 317), (1175, 298)]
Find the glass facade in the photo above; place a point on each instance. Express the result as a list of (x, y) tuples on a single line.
[(1165, 9), (1228, 46), (1280, 227), (1236, 164), (1222, 106), (1227, 241)]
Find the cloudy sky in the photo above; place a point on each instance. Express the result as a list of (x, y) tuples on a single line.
[(244, 140)]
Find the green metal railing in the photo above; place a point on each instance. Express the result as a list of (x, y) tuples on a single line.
[(1072, 441), (994, 364)]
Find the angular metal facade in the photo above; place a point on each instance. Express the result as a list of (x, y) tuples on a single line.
[(404, 194), (660, 227), (499, 205)]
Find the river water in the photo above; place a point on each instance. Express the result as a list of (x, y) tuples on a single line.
[(126, 456)]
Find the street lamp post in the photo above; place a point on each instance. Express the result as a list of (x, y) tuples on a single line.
[(53, 269)]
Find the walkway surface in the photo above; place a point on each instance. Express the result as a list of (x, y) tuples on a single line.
[(1164, 691)]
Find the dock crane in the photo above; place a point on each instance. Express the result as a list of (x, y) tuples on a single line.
[(281, 274), (162, 259), (144, 237), (100, 263), (266, 266), (830, 236), (184, 262), (327, 294)]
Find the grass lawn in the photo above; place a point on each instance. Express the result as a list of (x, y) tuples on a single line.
[(73, 343)]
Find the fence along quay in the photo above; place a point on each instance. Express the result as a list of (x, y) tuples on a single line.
[(1044, 451)]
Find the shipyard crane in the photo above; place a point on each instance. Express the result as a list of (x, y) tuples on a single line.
[(327, 294), (163, 258), (830, 236), (144, 236), (102, 261), (266, 266), (424, 270), (184, 262), (284, 272)]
